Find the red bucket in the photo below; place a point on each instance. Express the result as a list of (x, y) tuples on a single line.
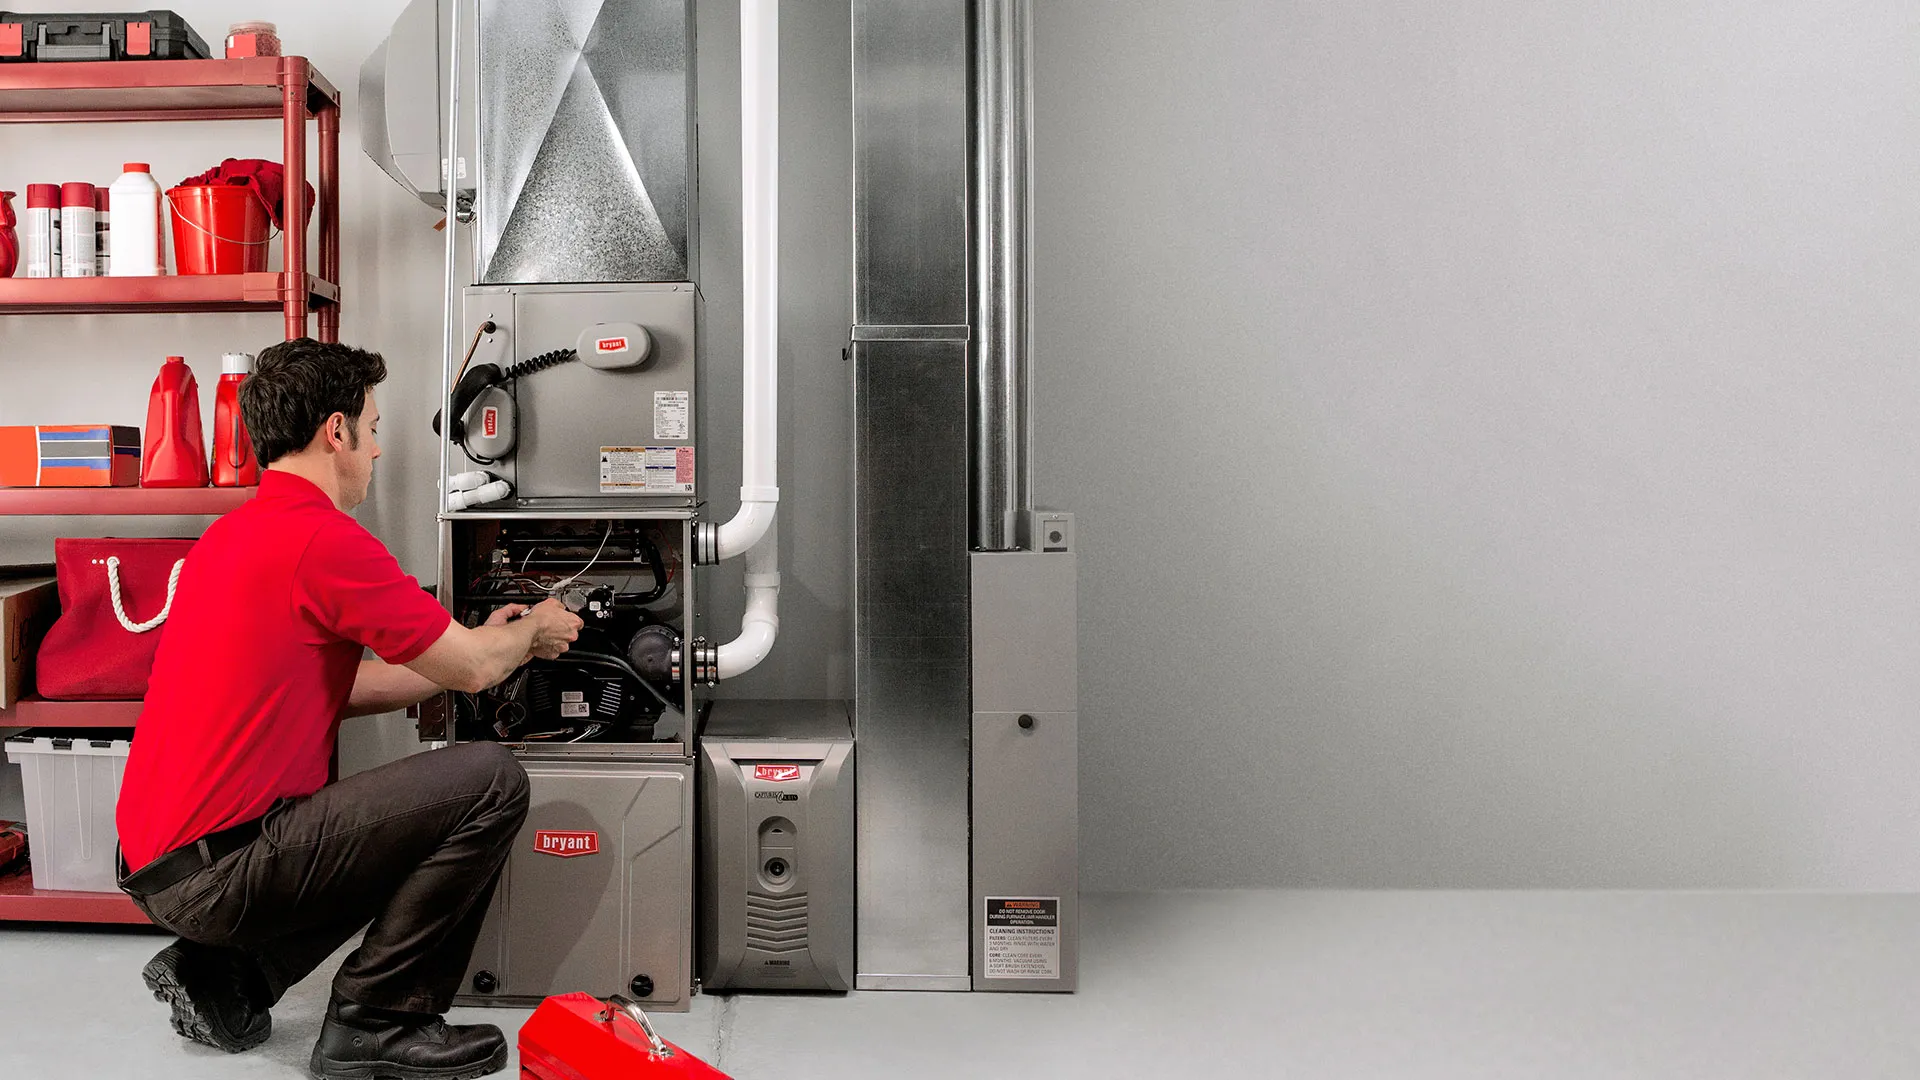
[(218, 229)]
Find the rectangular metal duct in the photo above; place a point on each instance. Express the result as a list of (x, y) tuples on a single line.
[(912, 710), (586, 141)]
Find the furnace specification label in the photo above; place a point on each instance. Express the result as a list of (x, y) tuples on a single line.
[(646, 470), (671, 409), (1023, 937)]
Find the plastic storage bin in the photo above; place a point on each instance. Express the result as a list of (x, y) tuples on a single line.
[(72, 784)]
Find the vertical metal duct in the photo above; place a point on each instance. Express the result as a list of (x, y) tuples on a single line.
[(1000, 424), (911, 600)]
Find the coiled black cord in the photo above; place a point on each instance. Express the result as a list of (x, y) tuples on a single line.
[(539, 363)]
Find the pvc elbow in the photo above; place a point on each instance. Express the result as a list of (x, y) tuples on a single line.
[(758, 629), (755, 517)]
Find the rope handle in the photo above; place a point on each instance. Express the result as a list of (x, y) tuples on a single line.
[(272, 230), (119, 612)]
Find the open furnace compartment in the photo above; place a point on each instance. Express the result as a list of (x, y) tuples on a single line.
[(620, 685)]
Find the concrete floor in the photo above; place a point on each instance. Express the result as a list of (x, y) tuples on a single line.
[(1269, 984)]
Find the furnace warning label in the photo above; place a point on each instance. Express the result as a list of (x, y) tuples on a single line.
[(670, 412), (1023, 937), (646, 470), (573, 703)]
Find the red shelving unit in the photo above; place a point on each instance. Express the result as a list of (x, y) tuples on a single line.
[(285, 88), (39, 712), (121, 502), (21, 902), (177, 293)]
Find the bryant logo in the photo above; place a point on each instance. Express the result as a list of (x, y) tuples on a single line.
[(776, 774), (611, 344), (566, 844), (490, 421)]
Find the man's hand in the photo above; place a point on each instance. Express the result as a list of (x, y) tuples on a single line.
[(505, 615), (554, 628), (471, 659)]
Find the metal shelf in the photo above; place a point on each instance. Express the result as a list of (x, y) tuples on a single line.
[(173, 293), (121, 501), (253, 88), (284, 88), (21, 902), (39, 712)]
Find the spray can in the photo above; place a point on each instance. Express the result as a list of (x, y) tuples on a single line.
[(40, 232), (175, 454), (102, 259), (233, 461), (76, 230), (9, 239)]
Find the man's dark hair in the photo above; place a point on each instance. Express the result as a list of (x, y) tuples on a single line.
[(296, 385)]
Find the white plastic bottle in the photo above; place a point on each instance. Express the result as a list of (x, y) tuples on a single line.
[(134, 202)]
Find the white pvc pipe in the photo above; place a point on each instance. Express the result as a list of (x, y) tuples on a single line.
[(751, 529), (760, 247), (760, 625)]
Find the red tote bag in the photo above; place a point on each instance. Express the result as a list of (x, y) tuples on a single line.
[(115, 596)]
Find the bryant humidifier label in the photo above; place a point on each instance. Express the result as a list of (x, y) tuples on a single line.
[(1023, 937)]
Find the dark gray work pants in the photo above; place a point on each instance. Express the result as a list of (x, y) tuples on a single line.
[(414, 848)]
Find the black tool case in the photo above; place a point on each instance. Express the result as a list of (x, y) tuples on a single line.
[(132, 35)]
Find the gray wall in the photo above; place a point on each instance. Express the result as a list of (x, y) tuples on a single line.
[(1492, 432), (1488, 423)]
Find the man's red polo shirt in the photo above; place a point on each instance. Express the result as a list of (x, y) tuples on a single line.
[(256, 660)]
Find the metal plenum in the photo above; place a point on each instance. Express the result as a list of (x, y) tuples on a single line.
[(999, 417)]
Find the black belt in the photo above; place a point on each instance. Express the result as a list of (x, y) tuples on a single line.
[(183, 862)]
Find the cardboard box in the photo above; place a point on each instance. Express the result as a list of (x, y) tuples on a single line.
[(70, 455), (27, 607)]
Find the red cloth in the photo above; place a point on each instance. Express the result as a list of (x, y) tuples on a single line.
[(267, 179), (274, 606)]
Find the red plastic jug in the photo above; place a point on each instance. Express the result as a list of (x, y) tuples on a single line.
[(233, 461), (9, 240), (175, 454)]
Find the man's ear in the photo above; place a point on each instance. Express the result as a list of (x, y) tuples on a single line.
[(335, 429)]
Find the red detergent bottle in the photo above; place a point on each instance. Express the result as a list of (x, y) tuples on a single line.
[(175, 454), (233, 461)]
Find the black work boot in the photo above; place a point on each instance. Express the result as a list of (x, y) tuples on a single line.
[(217, 994), (358, 1042)]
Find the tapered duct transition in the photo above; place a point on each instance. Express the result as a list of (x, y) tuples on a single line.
[(585, 133)]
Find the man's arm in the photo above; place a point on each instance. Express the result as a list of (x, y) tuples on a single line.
[(474, 658), (382, 687)]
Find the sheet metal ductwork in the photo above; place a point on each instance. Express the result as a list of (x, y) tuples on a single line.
[(584, 170), (585, 140)]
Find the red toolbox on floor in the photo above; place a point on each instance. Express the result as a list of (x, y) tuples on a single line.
[(134, 35), (581, 1037)]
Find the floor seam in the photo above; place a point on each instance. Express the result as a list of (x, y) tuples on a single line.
[(723, 1019)]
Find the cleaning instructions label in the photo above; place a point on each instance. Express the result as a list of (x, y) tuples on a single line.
[(670, 412), (646, 470), (573, 704), (1023, 937)]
